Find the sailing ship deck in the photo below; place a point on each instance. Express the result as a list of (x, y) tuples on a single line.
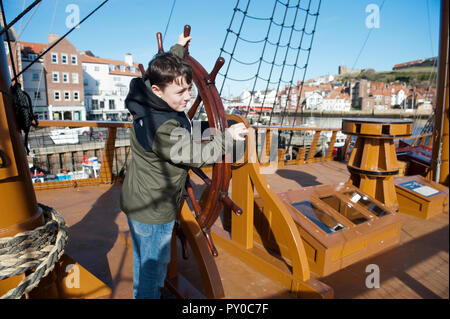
[(417, 268)]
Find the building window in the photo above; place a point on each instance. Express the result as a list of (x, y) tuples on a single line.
[(65, 77), (122, 68), (64, 58), (35, 76), (111, 67), (32, 56), (76, 95), (55, 77), (56, 95), (132, 69), (112, 105), (96, 68), (54, 57), (75, 78), (102, 104), (94, 104), (74, 59), (37, 94), (66, 96)]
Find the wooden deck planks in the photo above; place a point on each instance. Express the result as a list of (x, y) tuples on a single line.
[(417, 268)]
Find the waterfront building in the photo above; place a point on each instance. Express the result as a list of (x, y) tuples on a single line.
[(54, 82), (106, 84)]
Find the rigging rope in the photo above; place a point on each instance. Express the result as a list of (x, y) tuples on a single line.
[(9, 25), (284, 62), (36, 93), (168, 21), (60, 39), (22, 101), (367, 38), (278, 69), (304, 75), (24, 112)]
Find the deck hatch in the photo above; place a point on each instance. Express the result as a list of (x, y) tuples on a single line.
[(345, 209), (357, 197), (326, 222)]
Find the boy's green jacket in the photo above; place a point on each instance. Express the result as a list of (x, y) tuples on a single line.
[(162, 152)]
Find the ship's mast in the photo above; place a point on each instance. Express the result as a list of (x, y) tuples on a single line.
[(440, 157), (18, 200)]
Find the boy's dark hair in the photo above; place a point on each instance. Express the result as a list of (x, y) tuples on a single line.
[(167, 67)]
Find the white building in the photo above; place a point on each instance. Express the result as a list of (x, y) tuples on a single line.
[(268, 97), (34, 84), (398, 96), (336, 102), (314, 101), (106, 85)]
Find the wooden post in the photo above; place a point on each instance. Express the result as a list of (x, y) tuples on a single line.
[(242, 190), (312, 148), (329, 155), (440, 156), (108, 156)]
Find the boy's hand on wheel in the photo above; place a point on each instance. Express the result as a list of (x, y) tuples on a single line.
[(238, 131), (183, 41)]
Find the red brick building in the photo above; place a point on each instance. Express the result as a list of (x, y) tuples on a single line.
[(64, 81), (54, 82)]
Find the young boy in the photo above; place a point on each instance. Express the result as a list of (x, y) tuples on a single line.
[(154, 183)]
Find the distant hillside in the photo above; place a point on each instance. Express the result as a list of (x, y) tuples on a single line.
[(418, 76)]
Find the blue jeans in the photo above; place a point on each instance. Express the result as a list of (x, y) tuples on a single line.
[(151, 254)]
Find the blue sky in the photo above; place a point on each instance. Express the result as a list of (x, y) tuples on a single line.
[(408, 30)]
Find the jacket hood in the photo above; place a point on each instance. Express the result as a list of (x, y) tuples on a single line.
[(141, 100)]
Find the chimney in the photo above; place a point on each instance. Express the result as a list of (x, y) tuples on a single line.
[(129, 59), (52, 37)]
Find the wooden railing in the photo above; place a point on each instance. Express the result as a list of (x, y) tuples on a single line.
[(426, 140), (306, 153), (107, 154), (108, 150)]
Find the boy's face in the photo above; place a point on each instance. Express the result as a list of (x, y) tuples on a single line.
[(176, 94)]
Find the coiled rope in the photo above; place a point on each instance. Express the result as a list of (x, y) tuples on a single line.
[(38, 249), (24, 112)]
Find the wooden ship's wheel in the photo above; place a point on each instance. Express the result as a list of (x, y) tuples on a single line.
[(212, 200), (214, 196)]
